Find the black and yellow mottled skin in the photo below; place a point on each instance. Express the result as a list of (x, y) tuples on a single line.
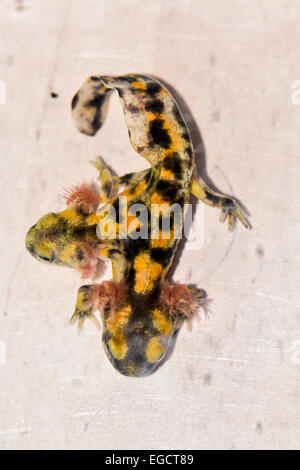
[(141, 312)]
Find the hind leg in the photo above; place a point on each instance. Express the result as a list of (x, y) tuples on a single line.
[(229, 207)]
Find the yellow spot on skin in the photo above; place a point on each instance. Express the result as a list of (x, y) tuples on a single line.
[(118, 346), (177, 142), (151, 116), (123, 193), (115, 323), (90, 113), (92, 219), (197, 190), (146, 272), (104, 253), (141, 266), (154, 350), (71, 215), (139, 85), (155, 271), (157, 199), (160, 242), (117, 320), (167, 174), (161, 323)]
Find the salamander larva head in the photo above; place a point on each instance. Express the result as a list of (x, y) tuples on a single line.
[(62, 239), (132, 343), (39, 241), (135, 351)]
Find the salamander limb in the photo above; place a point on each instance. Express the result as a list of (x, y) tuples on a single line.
[(229, 207)]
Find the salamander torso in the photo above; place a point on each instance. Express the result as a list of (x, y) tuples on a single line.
[(135, 221)]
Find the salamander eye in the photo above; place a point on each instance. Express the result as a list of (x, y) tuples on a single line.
[(44, 258), (108, 348)]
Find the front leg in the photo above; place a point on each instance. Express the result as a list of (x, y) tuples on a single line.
[(106, 180), (86, 304), (110, 184), (94, 297), (229, 207)]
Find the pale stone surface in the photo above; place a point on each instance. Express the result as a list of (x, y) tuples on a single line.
[(234, 381)]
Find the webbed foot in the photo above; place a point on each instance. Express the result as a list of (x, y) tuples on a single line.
[(232, 211), (87, 304)]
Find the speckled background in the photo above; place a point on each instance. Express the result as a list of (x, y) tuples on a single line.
[(233, 382)]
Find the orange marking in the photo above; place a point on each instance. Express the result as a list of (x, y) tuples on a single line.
[(160, 243), (139, 85), (157, 199), (154, 350), (118, 346), (118, 320), (161, 322), (167, 174), (146, 272)]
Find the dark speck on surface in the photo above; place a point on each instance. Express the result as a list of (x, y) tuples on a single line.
[(260, 251), (53, 95), (207, 379), (10, 60), (259, 427), (216, 116)]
